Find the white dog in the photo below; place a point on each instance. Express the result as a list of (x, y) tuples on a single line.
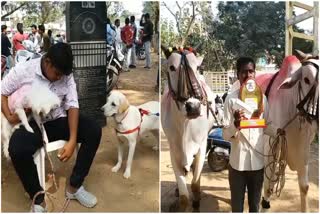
[(132, 122), (38, 98)]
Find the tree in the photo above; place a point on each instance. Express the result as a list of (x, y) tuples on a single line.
[(38, 12), (10, 7), (184, 18), (114, 9), (152, 8), (251, 28), (43, 12)]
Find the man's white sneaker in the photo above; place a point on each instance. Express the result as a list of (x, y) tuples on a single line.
[(84, 197)]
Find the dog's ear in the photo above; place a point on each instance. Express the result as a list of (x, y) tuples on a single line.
[(124, 105)]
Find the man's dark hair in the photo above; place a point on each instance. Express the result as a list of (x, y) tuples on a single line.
[(61, 57), (117, 20), (132, 19), (20, 27), (127, 21), (42, 28), (34, 26), (3, 27), (147, 16), (244, 61), (49, 32)]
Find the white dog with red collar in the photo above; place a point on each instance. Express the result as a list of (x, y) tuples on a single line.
[(132, 122)]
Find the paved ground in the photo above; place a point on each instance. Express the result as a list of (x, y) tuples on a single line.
[(140, 193)]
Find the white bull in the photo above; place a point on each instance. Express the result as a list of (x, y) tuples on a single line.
[(186, 125), (283, 99)]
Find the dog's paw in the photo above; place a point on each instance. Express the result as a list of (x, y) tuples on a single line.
[(116, 168), (155, 148), (127, 174), (29, 129)]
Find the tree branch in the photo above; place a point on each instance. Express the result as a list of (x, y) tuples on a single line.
[(175, 17), (190, 24), (14, 10)]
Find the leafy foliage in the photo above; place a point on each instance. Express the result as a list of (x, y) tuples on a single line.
[(252, 28)]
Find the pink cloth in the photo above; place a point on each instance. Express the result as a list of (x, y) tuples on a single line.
[(25, 73), (17, 97), (290, 63), (17, 41)]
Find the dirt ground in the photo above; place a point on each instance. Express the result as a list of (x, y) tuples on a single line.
[(140, 193), (215, 193)]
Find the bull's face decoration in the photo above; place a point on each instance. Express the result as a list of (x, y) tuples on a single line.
[(307, 76), (184, 80)]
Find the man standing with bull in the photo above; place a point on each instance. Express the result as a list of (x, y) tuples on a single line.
[(246, 169)]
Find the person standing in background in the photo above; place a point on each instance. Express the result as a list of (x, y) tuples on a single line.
[(35, 37), (127, 38), (147, 38), (50, 37), (133, 49), (5, 46), (45, 40), (18, 39)]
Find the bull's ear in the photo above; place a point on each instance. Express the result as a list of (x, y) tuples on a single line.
[(166, 51), (292, 80)]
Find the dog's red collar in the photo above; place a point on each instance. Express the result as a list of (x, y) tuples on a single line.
[(142, 112)]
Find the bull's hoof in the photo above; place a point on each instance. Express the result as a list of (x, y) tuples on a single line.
[(176, 192), (265, 204), (174, 207), (196, 206), (179, 205)]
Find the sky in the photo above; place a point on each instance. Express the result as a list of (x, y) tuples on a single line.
[(134, 7)]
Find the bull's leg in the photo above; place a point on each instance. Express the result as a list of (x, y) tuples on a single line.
[(267, 191), (195, 184), (304, 187), (183, 200)]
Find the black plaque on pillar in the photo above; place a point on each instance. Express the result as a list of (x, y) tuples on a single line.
[(85, 21), (91, 87), (90, 77)]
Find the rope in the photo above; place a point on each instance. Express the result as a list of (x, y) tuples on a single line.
[(278, 152), (45, 192)]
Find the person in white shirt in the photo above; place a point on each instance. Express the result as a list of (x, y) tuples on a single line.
[(35, 38), (246, 165)]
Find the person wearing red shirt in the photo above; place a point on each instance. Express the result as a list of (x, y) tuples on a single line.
[(18, 39), (127, 37)]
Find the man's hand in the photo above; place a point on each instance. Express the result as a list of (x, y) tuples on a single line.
[(13, 119), (238, 116), (66, 152)]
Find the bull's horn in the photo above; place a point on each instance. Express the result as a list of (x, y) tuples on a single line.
[(166, 51), (302, 56)]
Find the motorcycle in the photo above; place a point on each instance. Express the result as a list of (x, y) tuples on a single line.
[(27, 54), (218, 150), (114, 66), (140, 51)]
